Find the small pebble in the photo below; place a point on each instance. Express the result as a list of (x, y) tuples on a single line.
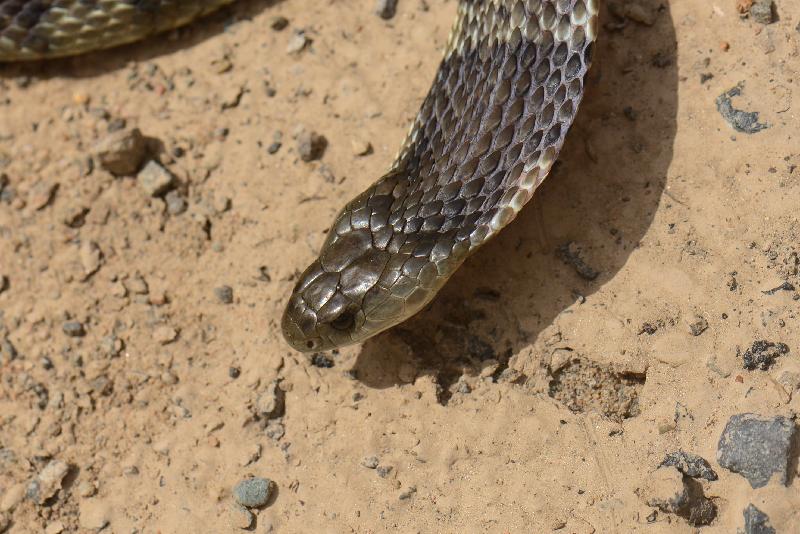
[(47, 483), (386, 9), (121, 152), (384, 470), (370, 462), (763, 11), (253, 492), (176, 204), (73, 329), (154, 179), (297, 43), (224, 294), (239, 517), (234, 372), (311, 146), (279, 23)]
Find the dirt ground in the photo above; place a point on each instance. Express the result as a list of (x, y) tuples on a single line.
[(531, 396)]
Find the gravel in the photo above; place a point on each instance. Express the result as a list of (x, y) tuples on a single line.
[(757, 447), (756, 521), (253, 492)]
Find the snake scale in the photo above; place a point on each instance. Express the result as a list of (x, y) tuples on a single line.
[(486, 136)]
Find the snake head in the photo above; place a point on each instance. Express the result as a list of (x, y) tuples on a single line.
[(370, 274), (329, 304)]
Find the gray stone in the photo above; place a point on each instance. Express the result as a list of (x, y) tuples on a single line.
[(176, 204), (154, 179), (690, 465), (756, 447), (224, 294), (762, 11), (74, 329), (121, 152), (370, 462), (253, 492), (47, 483), (756, 521), (311, 145)]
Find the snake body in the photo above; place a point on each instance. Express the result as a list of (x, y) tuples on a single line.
[(486, 136)]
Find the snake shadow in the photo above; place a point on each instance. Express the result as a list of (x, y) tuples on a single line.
[(96, 63), (603, 195)]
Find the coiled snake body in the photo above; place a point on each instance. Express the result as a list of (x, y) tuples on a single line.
[(486, 136)]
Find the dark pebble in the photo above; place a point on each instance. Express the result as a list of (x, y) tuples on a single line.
[(386, 9), (763, 354), (224, 294), (279, 23), (318, 359), (234, 372), (690, 465), (742, 121)]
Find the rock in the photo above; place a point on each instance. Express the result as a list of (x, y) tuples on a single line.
[(370, 462), (665, 490), (271, 403), (756, 447), (638, 13), (674, 493), (384, 470), (321, 360), (154, 179), (298, 42), (690, 465), (253, 492), (91, 258), (239, 517), (176, 204), (73, 329), (94, 515), (47, 483), (56, 527), (275, 430), (121, 152), (763, 354), (311, 145), (699, 326), (741, 121), (386, 9), (361, 147), (7, 351), (12, 497), (224, 294), (165, 335), (407, 494), (763, 11), (571, 254), (279, 23), (756, 521)]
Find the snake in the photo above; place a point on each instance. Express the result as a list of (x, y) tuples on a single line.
[(486, 136)]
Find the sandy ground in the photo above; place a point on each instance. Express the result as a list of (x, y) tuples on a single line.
[(526, 398)]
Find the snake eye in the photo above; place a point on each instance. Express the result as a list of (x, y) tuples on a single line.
[(344, 322)]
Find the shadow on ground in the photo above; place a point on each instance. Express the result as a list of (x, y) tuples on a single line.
[(602, 194)]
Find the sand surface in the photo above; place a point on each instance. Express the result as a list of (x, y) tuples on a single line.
[(526, 398)]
